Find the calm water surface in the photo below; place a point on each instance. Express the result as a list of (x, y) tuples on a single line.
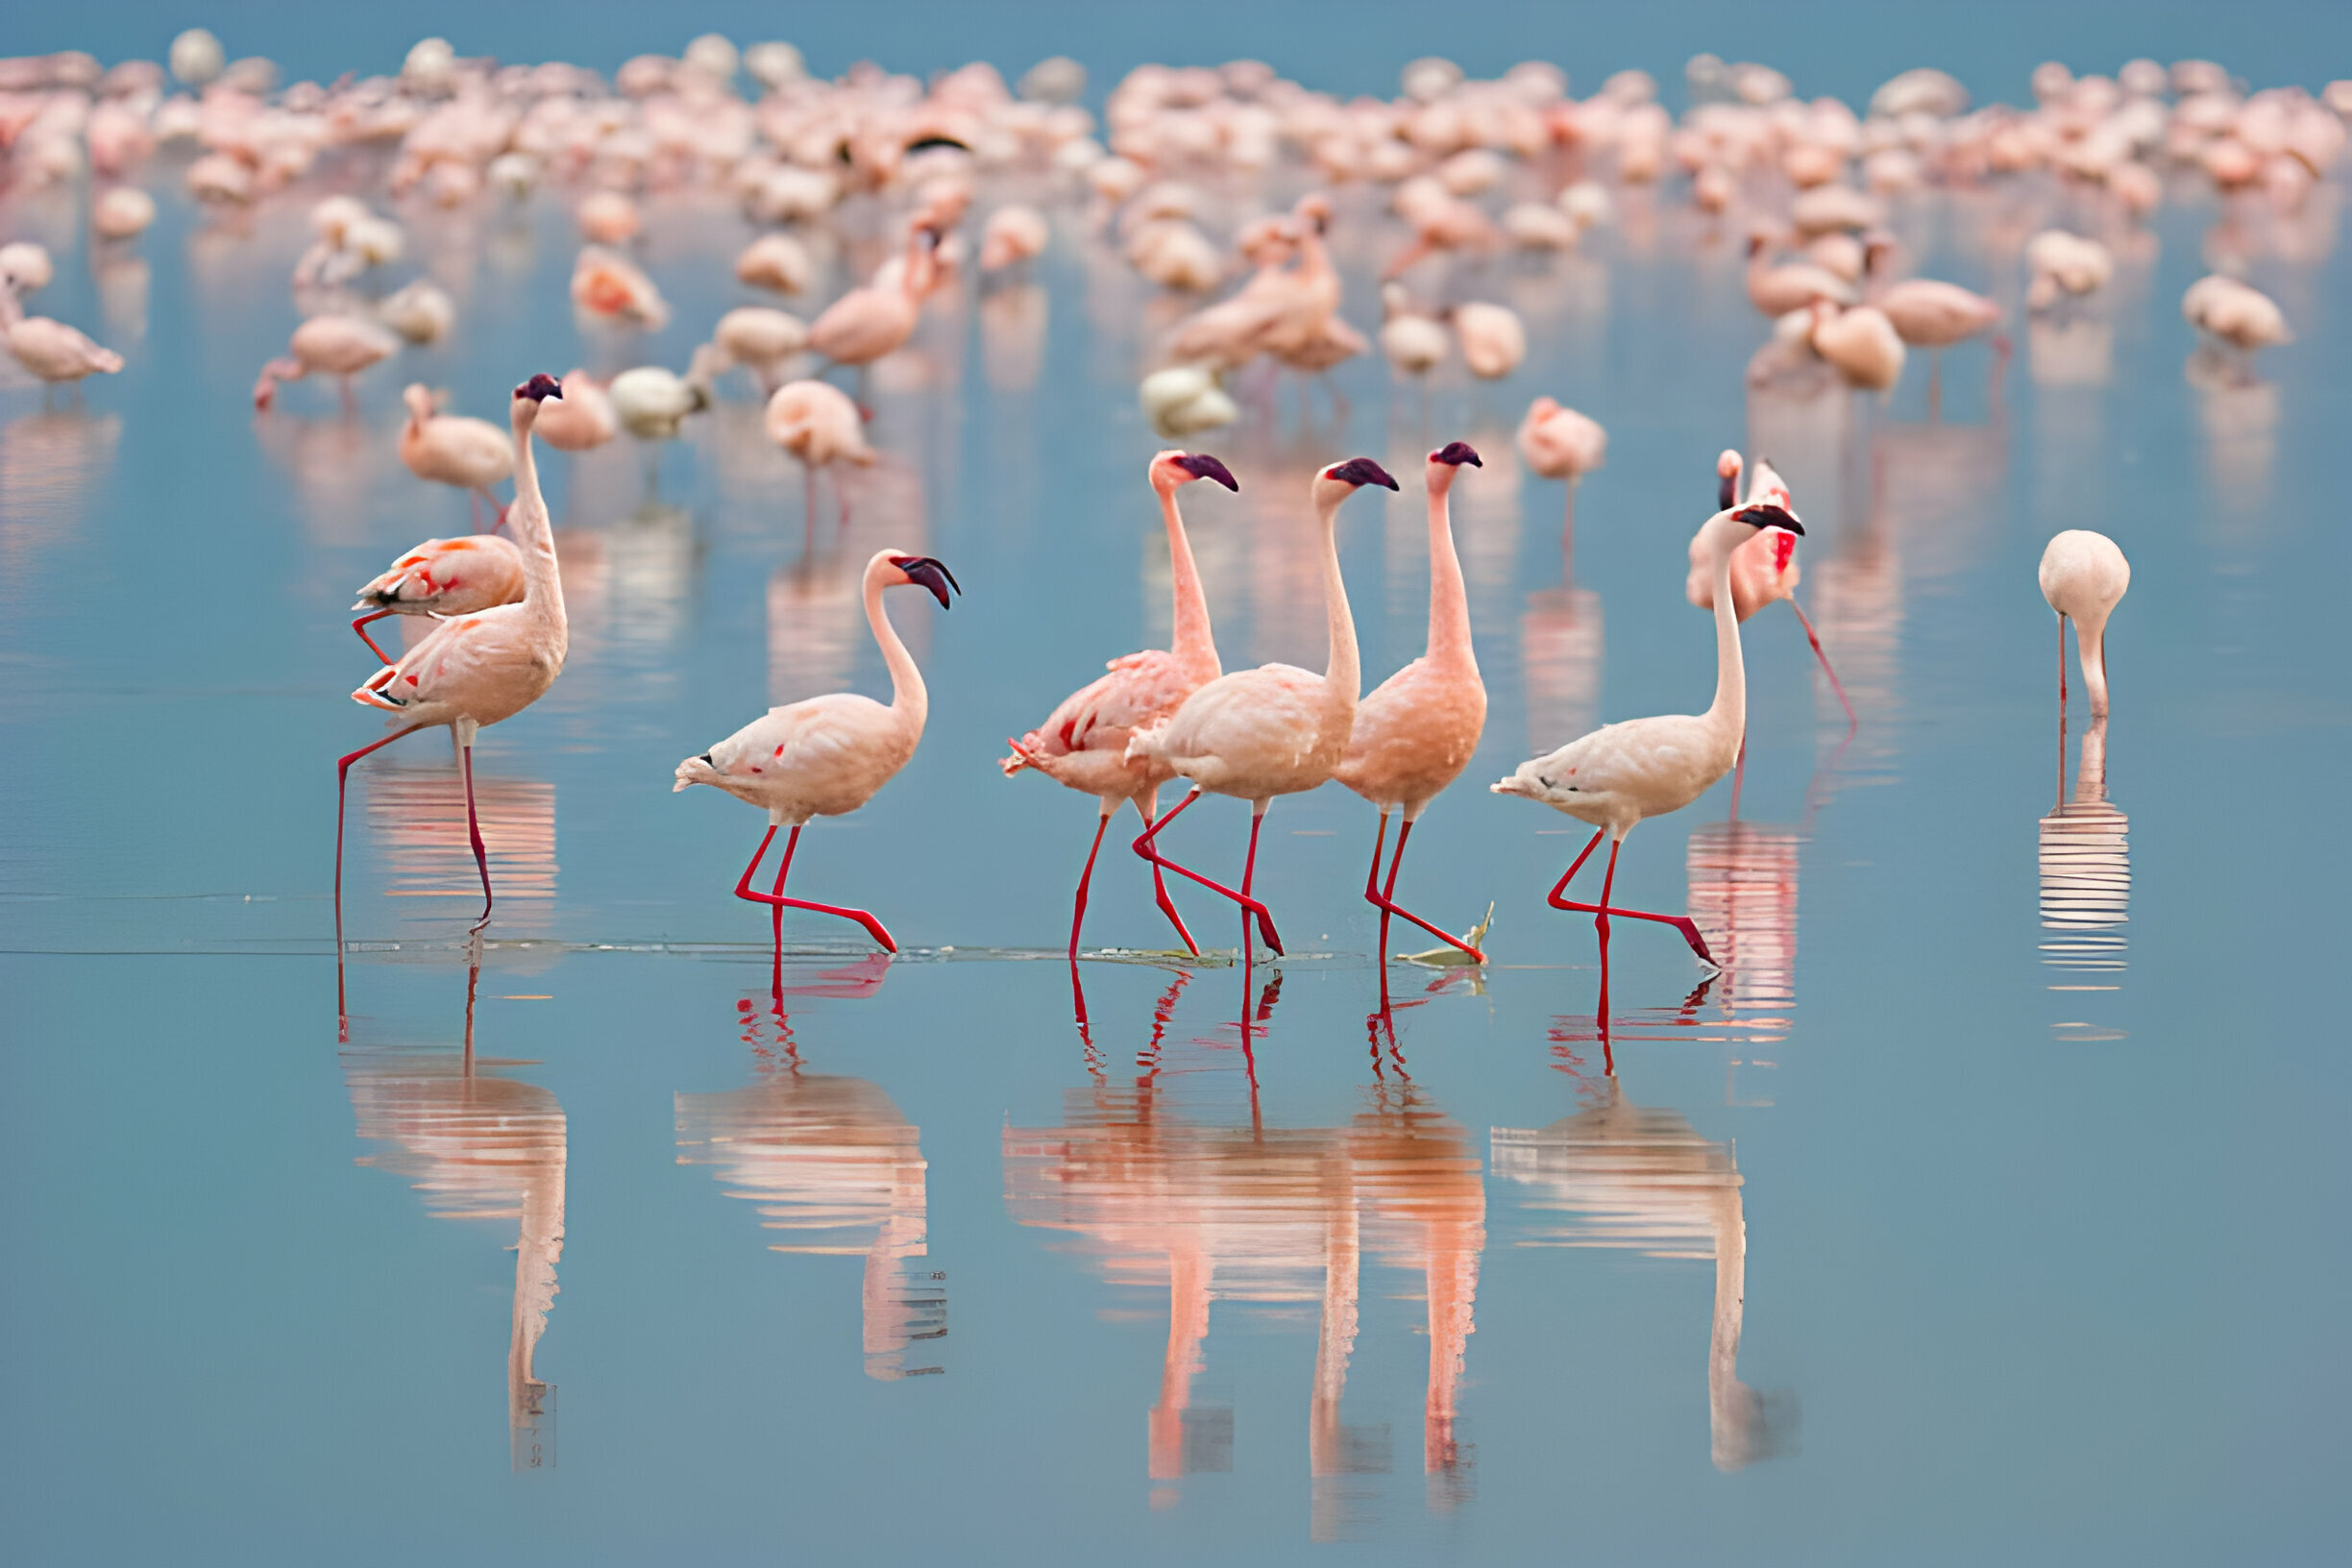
[(1988, 1206)]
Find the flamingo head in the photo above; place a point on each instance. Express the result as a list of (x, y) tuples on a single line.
[(1769, 515), (1176, 468), (701, 770), (1446, 462), (922, 572), (1728, 471), (1358, 472), (540, 387), (1313, 210)]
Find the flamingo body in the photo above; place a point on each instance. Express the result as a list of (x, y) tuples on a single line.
[(2084, 575)]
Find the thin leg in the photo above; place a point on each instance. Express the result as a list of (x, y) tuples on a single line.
[(1144, 846), (1078, 913), (343, 766), (1835, 685), (1372, 896), (1387, 898), (1249, 869), (775, 912), (1168, 905), (481, 855), (360, 626), (1680, 922), (776, 900)]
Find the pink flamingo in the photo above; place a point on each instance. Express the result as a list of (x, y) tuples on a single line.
[(337, 346), (869, 321), (52, 351), (828, 756), (1083, 743), (442, 577), (816, 422), (1621, 774), (583, 418), (478, 669), (472, 454), (1273, 730), (1415, 733), (1763, 570)]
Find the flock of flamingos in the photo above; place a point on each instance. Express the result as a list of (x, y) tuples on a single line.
[(1474, 169), (1810, 183)]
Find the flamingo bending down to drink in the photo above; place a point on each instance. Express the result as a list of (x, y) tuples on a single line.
[(2084, 575), (1083, 742), (828, 756), (1273, 730), (478, 668), (1621, 774), (1415, 733)]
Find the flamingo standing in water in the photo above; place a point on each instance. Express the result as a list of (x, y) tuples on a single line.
[(828, 756), (478, 668), (1083, 742), (337, 346), (2084, 575), (1621, 774), (472, 455), (816, 422), (1273, 730), (1415, 733), (1763, 570), (442, 577), (1559, 442), (875, 320)]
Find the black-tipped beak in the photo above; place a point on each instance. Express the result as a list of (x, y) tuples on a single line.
[(1768, 516), (1362, 470), (1457, 453), (925, 573), (924, 144), (1201, 466), (707, 762), (541, 387)]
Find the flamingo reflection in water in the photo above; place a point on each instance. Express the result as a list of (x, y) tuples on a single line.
[(2086, 886), (833, 1165), (1164, 1190), (1619, 1175), (478, 1145)]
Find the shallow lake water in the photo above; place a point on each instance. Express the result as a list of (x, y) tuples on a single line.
[(1981, 1207)]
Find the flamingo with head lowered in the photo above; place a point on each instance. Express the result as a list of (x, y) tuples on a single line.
[(828, 756), (1273, 730), (1083, 742)]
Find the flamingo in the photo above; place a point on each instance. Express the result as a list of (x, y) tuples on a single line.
[(1559, 442), (1013, 233), (1763, 570), (609, 288), (1273, 730), (2234, 313), (1083, 742), (478, 669), (776, 261), (761, 340), (1417, 732), (333, 345), (2084, 575), (472, 454), (582, 419), (1621, 774), (1860, 344), (442, 577), (828, 756), (867, 323), (1778, 290), (51, 350), (816, 422)]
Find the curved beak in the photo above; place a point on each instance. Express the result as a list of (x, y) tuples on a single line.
[(1769, 516), (1362, 470), (1457, 453), (925, 573), (1201, 466)]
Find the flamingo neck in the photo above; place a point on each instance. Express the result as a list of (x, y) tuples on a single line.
[(1728, 713), (1193, 640), (1449, 614), (2091, 645), (527, 524), (1342, 677), (910, 699)]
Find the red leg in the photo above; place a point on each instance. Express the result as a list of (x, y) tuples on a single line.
[(1078, 915), (360, 627), (1249, 868), (481, 855), (1835, 685), (1168, 905), (1389, 906), (776, 900), (1372, 896), (343, 768), (1144, 846), (1680, 922)]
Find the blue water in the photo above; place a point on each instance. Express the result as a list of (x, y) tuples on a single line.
[(2028, 1130)]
